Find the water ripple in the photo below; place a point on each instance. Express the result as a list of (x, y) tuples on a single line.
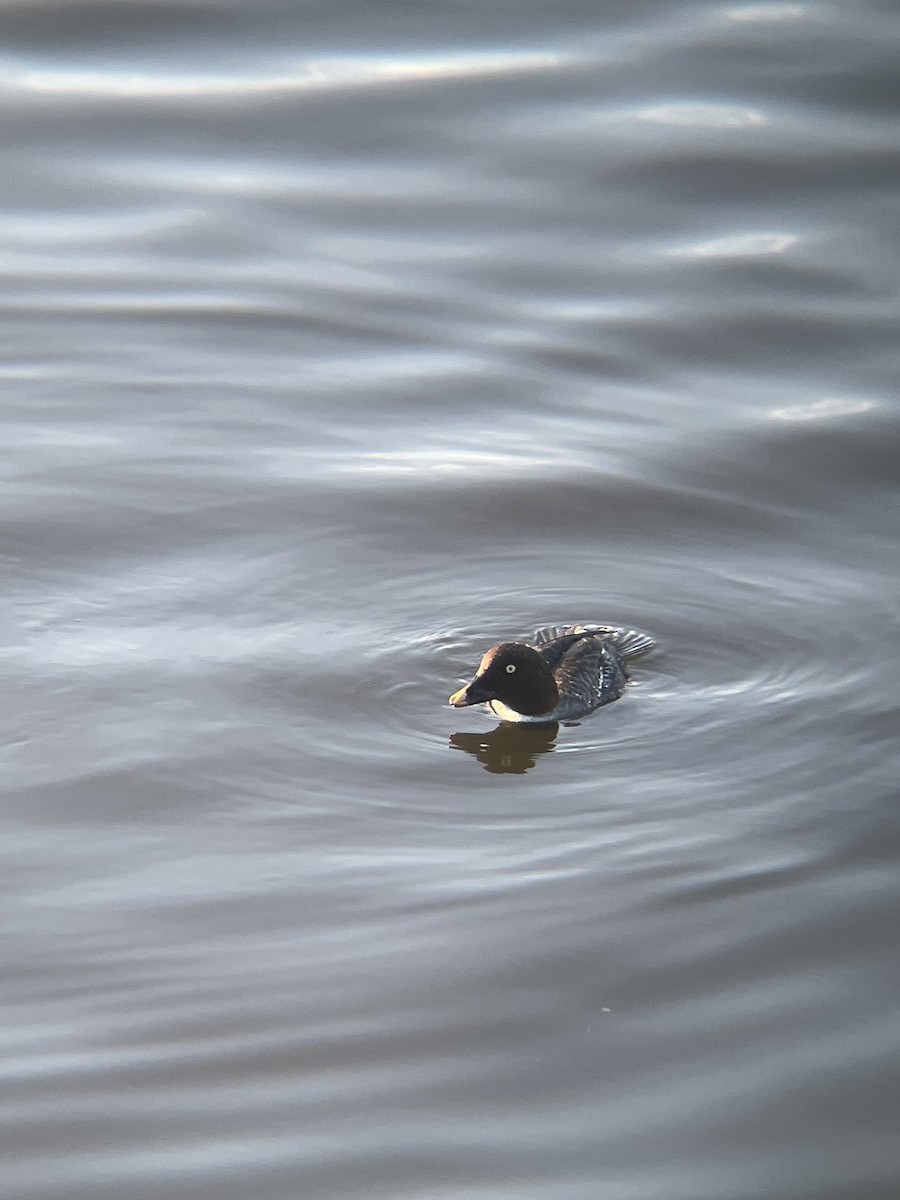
[(317, 75)]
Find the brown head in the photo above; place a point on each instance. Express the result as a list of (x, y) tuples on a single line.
[(515, 674)]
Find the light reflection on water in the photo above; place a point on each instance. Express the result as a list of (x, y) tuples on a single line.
[(742, 245), (306, 76), (701, 116), (827, 409)]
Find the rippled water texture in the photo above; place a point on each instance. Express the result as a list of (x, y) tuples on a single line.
[(338, 344)]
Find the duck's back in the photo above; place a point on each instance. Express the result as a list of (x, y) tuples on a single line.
[(587, 662)]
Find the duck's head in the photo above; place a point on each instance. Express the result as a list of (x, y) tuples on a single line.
[(515, 674)]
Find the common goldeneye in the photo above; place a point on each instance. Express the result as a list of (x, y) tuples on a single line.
[(564, 673)]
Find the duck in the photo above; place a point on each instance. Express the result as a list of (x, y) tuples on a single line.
[(562, 674)]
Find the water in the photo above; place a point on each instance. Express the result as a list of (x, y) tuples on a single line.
[(339, 344)]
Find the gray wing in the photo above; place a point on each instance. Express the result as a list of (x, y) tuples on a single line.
[(553, 649), (590, 675), (628, 643), (549, 633)]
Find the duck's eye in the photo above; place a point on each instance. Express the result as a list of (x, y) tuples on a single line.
[(510, 667)]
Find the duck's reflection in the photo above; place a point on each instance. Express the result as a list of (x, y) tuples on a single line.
[(509, 749)]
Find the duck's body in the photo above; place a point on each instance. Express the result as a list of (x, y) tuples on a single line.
[(563, 674)]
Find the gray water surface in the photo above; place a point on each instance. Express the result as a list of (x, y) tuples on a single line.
[(340, 342)]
